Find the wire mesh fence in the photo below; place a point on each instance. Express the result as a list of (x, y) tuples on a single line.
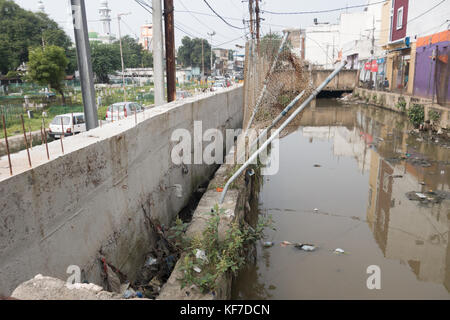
[(278, 88)]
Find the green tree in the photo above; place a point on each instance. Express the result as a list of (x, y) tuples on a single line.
[(132, 52), (105, 60), (46, 66), (147, 59), (21, 29), (190, 53)]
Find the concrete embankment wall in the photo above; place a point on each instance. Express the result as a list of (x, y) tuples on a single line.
[(389, 100), (93, 199)]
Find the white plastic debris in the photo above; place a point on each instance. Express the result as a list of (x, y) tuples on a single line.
[(201, 255), (339, 251), (306, 247), (421, 195), (197, 269), (151, 261)]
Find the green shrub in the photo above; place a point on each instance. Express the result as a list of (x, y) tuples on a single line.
[(416, 114), (401, 104), (222, 256), (434, 116)]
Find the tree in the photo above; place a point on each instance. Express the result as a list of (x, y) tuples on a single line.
[(105, 60), (132, 52), (190, 53), (147, 59), (46, 66), (21, 29)]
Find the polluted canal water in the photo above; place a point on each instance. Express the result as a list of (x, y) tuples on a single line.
[(367, 193)]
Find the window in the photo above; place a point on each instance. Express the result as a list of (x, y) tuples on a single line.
[(57, 120), (400, 18), (80, 119)]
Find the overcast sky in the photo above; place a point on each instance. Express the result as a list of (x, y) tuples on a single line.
[(234, 11)]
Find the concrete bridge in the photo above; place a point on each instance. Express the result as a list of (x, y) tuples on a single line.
[(346, 80)]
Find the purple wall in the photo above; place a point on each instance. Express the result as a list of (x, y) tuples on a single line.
[(424, 78)]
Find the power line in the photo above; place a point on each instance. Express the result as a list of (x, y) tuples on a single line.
[(229, 24), (326, 11)]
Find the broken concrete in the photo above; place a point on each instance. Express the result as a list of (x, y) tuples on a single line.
[(48, 288)]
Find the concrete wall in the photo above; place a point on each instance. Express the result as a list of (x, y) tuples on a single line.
[(390, 100), (90, 200), (346, 80)]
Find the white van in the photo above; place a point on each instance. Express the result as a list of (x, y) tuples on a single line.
[(68, 124)]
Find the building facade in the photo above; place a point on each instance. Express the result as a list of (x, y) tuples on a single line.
[(146, 37)]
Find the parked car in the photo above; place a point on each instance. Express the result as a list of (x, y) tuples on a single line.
[(218, 86), (122, 110), (183, 95), (71, 124)]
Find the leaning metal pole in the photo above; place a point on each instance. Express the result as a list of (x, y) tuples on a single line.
[(266, 81), (282, 127), (275, 122), (84, 63)]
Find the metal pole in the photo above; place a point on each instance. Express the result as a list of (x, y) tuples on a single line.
[(121, 57), (26, 140), (212, 34), (280, 116), (279, 130), (45, 138), (170, 50), (84, 63), (266, 81), (7, 144), (158, 53), (62, 135)]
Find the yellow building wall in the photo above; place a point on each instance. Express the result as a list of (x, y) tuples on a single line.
[(385, 22), (412, 69)]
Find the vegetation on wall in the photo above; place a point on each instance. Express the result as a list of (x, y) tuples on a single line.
[(208, 259), (416, 114), (401, 104)]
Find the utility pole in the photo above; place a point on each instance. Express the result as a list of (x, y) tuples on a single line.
[(203, 59), (250, 9), (170, 50), (373, 55), (158, 53), (119, 16), (211, 55), (84, 63), (257, 11)]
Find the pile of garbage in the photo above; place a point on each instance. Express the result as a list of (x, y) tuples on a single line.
[(154, 273)]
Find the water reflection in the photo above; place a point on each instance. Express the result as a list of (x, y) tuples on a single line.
[(390, 163)]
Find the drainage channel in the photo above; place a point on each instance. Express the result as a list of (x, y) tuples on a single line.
[(160, 259)]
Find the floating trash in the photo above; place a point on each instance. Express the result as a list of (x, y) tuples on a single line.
[(268, 244), (306, 247), (339, 251)]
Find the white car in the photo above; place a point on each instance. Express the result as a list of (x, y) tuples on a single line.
[(122, 110), (68, 124), (218, 86)]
